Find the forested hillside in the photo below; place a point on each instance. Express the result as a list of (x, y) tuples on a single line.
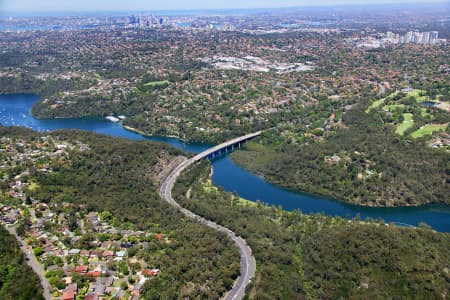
[(17, 280), (366, 164), (317, 257), (117, 176)]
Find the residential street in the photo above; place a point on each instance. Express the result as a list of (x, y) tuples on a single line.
[(32, 262)]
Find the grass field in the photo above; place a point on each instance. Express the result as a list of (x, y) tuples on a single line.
[(208, 187), (378, 103), (417, 96), (428, 130), (444, 106), (393, 107), (423, 112), (375, 104), (32, 186), (157, 83), (407, 123)]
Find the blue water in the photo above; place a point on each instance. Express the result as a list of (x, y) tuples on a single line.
[(15, 110), (430, 103)]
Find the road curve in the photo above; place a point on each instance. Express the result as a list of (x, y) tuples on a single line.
[(248, 264)]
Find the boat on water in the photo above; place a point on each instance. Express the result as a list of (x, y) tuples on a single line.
[(112, 119)]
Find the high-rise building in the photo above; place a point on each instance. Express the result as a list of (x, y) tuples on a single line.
[(414, 37), (409, 37), (433, 37), (425, 38)]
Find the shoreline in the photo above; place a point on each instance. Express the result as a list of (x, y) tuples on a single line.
[(375, 212), (132, 129), (329, 196)]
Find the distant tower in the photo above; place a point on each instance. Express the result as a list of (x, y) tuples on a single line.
[(426, 38), (132, 20), (409, 37), (434, 37)]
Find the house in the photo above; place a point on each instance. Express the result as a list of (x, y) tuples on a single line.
[(159, 236), (108, 254), (91, 296), (69, 295), (120, 254), (73, 287), (115, 292), (92, 217), (99, 289), (74, 251), (95, 254), (94, 273), (150, 273), (107, 281), (81, 269), (136, 291), (106, 245), (67, 280), (85, 253), (52, 268)]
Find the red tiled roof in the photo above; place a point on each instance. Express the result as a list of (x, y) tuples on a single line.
[(108, 253), (149, 273), (94, 273), (81, 269), (69, 295)]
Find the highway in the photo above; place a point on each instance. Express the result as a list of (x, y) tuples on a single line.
[(248, 264)]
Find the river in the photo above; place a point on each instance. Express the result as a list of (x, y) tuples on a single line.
[(16, 110)]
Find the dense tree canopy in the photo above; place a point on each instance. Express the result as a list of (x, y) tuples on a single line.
[(116, 175), (317, 257), (17, 280)]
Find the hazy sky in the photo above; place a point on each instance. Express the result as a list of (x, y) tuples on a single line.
[(113, 5)]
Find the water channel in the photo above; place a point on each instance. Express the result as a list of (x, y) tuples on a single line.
[(15, 110)]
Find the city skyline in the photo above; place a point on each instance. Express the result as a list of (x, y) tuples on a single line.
[(29, 6)]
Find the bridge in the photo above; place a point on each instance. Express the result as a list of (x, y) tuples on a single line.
[(248, 264), (227, 146)]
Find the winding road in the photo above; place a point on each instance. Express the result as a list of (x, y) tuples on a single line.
[(248, 264)]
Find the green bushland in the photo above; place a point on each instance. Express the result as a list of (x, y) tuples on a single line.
[(317, 257), (17, 279), (115, 175), (157, 83)]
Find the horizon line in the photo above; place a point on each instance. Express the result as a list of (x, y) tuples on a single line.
[(324, 5)]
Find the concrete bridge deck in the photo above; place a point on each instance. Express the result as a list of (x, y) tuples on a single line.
[(248, 264)]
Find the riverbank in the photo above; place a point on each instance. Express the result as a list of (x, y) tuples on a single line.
[(345, 258), (371, 170), (132, 129), (246, 160), (15, 110)]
